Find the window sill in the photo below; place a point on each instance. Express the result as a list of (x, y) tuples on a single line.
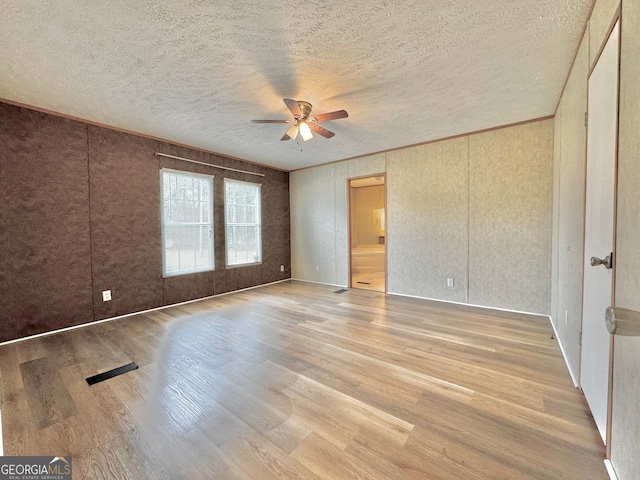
[(240, 265)]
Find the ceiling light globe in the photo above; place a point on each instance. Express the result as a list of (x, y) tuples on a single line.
[(305, 131), (293, 132)]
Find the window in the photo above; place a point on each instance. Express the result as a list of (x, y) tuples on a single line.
[(242, 222), (187, 222)]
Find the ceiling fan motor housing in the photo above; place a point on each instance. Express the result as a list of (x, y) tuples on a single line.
[(305, 109)]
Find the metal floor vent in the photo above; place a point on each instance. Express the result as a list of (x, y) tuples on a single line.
[(101, 377), (342, 290)]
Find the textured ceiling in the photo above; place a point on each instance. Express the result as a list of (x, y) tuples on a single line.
[(197, 71)]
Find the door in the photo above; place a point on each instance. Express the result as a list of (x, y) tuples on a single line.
[(602, 137)]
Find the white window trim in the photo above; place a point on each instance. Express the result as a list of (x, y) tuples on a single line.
[(259, 216), (166, 274)]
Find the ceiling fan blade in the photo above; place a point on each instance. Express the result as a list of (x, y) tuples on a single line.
[(270, 121), (292, 105), (320, 130), (285, 137), (323, 117)]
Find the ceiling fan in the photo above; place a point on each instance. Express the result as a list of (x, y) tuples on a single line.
[(303, 122)]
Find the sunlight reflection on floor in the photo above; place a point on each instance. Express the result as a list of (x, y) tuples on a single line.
[(370, 281)]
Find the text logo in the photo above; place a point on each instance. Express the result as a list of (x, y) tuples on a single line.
[(35, 468)]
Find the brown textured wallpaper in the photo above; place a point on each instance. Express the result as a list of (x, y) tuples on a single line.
[(45, 263), (81, 214), (125, 227)]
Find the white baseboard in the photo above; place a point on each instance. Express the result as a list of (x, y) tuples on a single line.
[(571, 373), (610, 470), (468, 304), (574, 378), (82, 325), (320, 283)]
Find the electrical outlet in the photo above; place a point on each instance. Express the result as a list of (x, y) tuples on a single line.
[(566, 316), (282, 268), (317, 268), (106, 295), (449, 282)]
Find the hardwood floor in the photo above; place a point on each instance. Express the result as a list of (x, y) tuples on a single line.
[(295, 381), (369, 281)]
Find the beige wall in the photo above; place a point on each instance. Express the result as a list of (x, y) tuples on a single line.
[(427, 221), (569, 181), (625, 442), (320, 218), (314, 225), (569, 172), (476, 209), (441, 244), (510, 217)]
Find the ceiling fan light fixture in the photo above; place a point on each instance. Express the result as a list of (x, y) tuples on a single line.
[(301, 112), (293, 132), (305, 131)]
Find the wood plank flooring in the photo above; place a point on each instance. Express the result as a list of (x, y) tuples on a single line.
[(369, 281), (294, 381)]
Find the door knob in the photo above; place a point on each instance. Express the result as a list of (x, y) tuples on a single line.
[(606, 261), (622, 321)]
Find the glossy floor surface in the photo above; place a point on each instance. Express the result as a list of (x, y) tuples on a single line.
[(295, 381), (369, 281)]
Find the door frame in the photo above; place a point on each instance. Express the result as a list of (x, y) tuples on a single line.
[(386, 224)]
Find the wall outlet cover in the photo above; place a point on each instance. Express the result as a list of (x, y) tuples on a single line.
[(449, 282), (106, 295)]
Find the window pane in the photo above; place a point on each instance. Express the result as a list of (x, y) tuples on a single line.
[(250, 214), (242, 244), (187, 222), (239, 214), (242, 218)]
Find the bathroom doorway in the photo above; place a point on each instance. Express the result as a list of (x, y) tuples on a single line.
[(367, 233)]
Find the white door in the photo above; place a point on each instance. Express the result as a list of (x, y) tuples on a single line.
[(602, 137)]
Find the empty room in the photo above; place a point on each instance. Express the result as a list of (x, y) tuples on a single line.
[(320, 240)]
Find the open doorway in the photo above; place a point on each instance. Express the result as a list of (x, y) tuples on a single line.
[(367, 238)]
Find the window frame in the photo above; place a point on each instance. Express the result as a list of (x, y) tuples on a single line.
[(211, 266), (258, 186)]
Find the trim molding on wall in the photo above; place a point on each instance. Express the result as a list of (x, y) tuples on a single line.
[(564, 356), (131, 315), (609, 466), (483, 307), (95, 225), (574, 378), (495, 309), (575, 56), (130, 132), (467, 134), (321, 283)]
